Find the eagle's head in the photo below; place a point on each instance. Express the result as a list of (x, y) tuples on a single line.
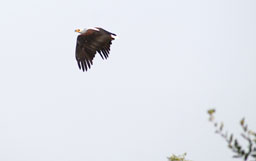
[(81, 31)]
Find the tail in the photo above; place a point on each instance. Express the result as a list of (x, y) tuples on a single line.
[(114, 36)]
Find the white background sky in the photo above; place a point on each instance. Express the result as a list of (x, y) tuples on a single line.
[(174, 60)]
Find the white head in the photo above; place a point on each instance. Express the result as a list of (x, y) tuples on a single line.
[(81, 31)]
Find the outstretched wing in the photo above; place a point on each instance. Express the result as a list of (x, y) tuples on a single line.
[(105, 41), (84, 54), (90, 43)]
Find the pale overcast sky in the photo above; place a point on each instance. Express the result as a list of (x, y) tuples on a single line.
[(174, 59)]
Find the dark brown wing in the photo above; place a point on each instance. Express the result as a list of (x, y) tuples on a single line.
[(90, 43), (106, 41), (84, 54)]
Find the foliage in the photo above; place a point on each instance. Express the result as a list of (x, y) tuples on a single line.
[(248, 135), (178, 157)]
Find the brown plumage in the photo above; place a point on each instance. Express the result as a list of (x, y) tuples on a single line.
[(92, 41)]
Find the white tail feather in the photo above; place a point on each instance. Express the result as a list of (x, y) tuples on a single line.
[(114, 37)]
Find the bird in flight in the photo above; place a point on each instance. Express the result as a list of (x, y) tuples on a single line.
[(91, 41)]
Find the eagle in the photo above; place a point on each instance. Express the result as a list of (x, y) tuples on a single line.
[(91, 41)]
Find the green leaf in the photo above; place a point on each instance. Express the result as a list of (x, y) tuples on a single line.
[(221, 126), (230, 138), (253, 155), (236, 143), (211, 111), (237, 156), (245, 128), (242, 122)]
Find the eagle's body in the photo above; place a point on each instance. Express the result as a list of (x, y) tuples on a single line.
[(89, 42)]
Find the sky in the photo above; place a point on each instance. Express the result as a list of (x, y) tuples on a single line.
[(174, 60)]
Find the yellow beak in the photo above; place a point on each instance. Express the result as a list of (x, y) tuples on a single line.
[(77, 30)]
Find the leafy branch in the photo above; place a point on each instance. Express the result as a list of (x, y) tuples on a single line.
[(248, 135), (178, 157)]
